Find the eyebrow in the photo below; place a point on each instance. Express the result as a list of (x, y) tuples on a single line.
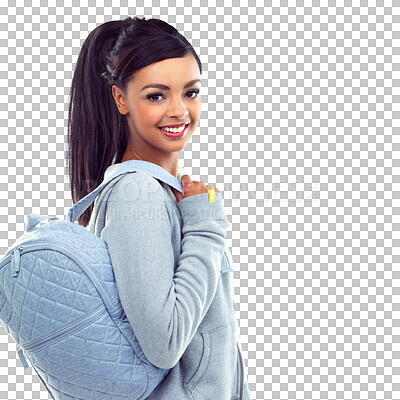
[(160, 86)]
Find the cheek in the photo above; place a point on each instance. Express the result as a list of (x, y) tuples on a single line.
[(196, 110), (148, 115)]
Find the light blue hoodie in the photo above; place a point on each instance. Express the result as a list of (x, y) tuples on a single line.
[(166, 258)]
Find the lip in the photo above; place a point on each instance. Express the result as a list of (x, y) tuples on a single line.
[(173, 134)]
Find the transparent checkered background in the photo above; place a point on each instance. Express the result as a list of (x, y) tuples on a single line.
[(299, 130)]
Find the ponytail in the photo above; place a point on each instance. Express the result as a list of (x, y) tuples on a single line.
[(98, 134)]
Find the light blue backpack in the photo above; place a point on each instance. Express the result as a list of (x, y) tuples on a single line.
[(59, 302)]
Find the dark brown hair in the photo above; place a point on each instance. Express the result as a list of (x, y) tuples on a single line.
[(97, 133)]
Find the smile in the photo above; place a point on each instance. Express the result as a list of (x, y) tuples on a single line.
[(175, 132)]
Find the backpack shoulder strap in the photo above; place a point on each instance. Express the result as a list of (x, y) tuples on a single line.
[(128, 166)]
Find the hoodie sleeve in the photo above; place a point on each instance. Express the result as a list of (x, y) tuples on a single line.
[(164, 305)]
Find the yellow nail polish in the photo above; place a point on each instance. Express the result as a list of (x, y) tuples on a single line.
[(211, 195)]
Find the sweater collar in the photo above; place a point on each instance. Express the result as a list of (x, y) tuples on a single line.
[(111, 168)]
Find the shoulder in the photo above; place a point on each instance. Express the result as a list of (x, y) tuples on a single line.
[(139, 187), (138, 197)]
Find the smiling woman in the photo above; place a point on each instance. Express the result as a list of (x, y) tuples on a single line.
[(177, 106), (136, 96)]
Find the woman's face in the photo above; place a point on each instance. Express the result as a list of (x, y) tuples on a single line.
[(147, 108)]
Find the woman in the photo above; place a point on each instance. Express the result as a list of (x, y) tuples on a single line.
[(136, 95)]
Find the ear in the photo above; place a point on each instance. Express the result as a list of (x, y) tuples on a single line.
[(120, 100)]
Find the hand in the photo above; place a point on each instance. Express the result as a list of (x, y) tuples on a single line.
[(191, 188)]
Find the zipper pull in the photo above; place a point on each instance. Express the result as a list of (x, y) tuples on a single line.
[(22, 357), (16, 257)]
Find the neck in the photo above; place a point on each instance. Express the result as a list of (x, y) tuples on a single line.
[(170, 164)]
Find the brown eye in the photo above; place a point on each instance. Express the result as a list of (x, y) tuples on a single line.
[(193, 91), (151, 96)]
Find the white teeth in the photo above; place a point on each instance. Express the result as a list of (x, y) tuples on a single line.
[(175, 130)]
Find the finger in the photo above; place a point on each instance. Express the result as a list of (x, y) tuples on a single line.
[(185, 179), (212, 187)]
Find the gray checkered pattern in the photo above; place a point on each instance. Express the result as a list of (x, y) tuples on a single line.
[(300, 111)]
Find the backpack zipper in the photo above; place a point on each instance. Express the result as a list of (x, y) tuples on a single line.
[(42, 343), (15, 264)]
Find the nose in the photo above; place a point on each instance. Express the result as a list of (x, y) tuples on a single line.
[(177, 108)]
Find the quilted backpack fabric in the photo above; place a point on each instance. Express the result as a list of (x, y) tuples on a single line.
[(59, 302)]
